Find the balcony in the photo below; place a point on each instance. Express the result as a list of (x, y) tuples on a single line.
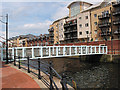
[(108, 33), (66, 25), (107, 24), (117, 22), (104, 16), (115, 4), (67, 31), (116, 13), (51, 35), (68, 38), (75, 23), (51, 40), (117, 32), (74, 37), (70, 23), (51, 30)]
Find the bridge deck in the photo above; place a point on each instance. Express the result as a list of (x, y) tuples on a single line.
[(54, 51)]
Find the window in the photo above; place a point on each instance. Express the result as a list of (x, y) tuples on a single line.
[(96, 39), (95, 15), (80, 17), (37, 44), (95, 31), (61, 24), (80, 33), (95, 23), (80, 25), (86, 17), (86, 25), (87, 32)]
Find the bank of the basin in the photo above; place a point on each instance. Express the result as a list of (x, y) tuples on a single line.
[(88, 74)]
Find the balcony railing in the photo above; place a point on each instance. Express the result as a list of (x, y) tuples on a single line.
[(104, 16), (51, 35), (51, 30), (68, 38), (116, 12), (67, 31), (75, 23), (108, 33), (104, 25), (117, 32), (116, 4), (66, 25), (70, 24), (117, 22)]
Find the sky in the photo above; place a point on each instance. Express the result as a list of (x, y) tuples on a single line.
[(28, 17)]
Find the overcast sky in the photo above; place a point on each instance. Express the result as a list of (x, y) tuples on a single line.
[(26, 16)]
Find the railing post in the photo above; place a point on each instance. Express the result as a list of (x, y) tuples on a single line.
[(99, 50), (23, 52), (106, 50), (1, 54), (70, 51), (14, 60), (76, 50), (49, 52), (95, 49), (32, 52), (86, 50), (91, 49), (81, 49), (41, 51), (63, 50), (53, 50), (19, 62), (13, 53), (64, 82), (16, 52), (103, 49), (51, 76), (39, 74), (28, 59), (56, 51)]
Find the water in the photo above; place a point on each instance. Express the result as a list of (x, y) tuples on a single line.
[(86, 74)]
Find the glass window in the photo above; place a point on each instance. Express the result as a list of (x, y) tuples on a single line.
[(95, 23), (86, 17), (86, 25), (80, 17), (87, 32), (80, 33), (95, 15), (80, 25)]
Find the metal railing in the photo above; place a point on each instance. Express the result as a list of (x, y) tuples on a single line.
[(51, 84)]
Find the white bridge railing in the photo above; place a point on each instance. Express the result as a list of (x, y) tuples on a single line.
[(53, 51)]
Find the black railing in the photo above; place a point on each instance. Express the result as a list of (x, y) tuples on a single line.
[(104, 16), (50, 72)]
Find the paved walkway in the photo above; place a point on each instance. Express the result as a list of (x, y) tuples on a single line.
[(12, 78)]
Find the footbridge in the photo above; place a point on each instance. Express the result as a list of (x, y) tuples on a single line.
[(36, 52)]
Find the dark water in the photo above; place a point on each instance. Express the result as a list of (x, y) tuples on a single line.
[(87, 74)]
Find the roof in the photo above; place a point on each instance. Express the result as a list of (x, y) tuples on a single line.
[(78, 2), (92, 7), (60, 19), (96, 5)]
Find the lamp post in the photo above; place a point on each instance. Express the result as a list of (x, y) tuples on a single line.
[(6, 37)]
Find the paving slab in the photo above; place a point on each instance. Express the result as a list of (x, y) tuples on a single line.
[(13, 78)]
